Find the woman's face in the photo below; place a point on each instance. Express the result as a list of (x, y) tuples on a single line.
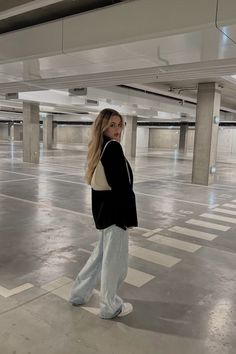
[(115, 128)]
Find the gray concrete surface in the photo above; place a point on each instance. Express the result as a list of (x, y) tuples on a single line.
[(46, 234)]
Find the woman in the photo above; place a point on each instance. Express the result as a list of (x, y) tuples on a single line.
[(114, 211)]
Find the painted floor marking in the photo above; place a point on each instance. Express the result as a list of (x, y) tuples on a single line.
[(57, 283), (154, 257), (18, 173), (63, 291), (93, 310), (19, 289), (66, 181), (151, 232), (47, 205), (19, 180), (229, 205), (139, 229), (219, 217), (225, 211), (178, 200), (137, 278), (84, 250), (94, 243), (193, 233), (209, 225), (178, 244), (213, 206)]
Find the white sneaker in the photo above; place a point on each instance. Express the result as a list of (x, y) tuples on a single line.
[(126, 309)]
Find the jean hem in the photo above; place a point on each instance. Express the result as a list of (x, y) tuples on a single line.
[(77, 303), (113, 316)]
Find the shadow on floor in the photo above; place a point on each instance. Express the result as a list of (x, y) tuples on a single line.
[(177, 319)]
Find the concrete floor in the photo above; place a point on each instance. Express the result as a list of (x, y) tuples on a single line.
[(183, 292)]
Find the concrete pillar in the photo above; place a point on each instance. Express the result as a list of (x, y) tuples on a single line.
[(54, 133), (16, 131), (47, 131), (183, 138), (11, 131), (131, 136), (30, 132), (206, 133)]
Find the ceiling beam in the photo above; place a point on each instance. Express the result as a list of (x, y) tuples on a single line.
[(29, 6)]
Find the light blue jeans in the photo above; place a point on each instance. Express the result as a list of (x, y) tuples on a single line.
[(110, 261)]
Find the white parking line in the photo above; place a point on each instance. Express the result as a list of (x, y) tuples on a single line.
[(18, 180), (193, 233), (19, 289), (18, 173), (177, 200), (229, 205), (151, 232), (225, 211), (141, 229), (137, 278), (152, 256), (57, 283), (84, 250), (219, 217), (46, 205), (209, 225), (171, 242)]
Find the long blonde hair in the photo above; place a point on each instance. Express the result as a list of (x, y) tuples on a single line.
[(98, 128)]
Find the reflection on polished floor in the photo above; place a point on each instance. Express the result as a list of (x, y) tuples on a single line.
[(182, 263)]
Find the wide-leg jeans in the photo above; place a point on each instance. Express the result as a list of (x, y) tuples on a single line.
[(109, 261)]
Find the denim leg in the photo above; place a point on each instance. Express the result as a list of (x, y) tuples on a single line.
[(114, 269), (87, 278)]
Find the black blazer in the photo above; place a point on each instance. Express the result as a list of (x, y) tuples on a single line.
[(117, 206)]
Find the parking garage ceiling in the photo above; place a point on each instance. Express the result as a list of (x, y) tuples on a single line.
[(18, 14)]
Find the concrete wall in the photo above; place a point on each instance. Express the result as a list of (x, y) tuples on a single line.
[(226, 140), (168, 139), (77, 134), (191, 134), (159, 138), (163, 138), (73, 134), (4, 131), (18, 132), (142, 137)]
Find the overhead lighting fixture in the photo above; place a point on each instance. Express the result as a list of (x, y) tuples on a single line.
[(91, 102), (12, 96), (78, 91)]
